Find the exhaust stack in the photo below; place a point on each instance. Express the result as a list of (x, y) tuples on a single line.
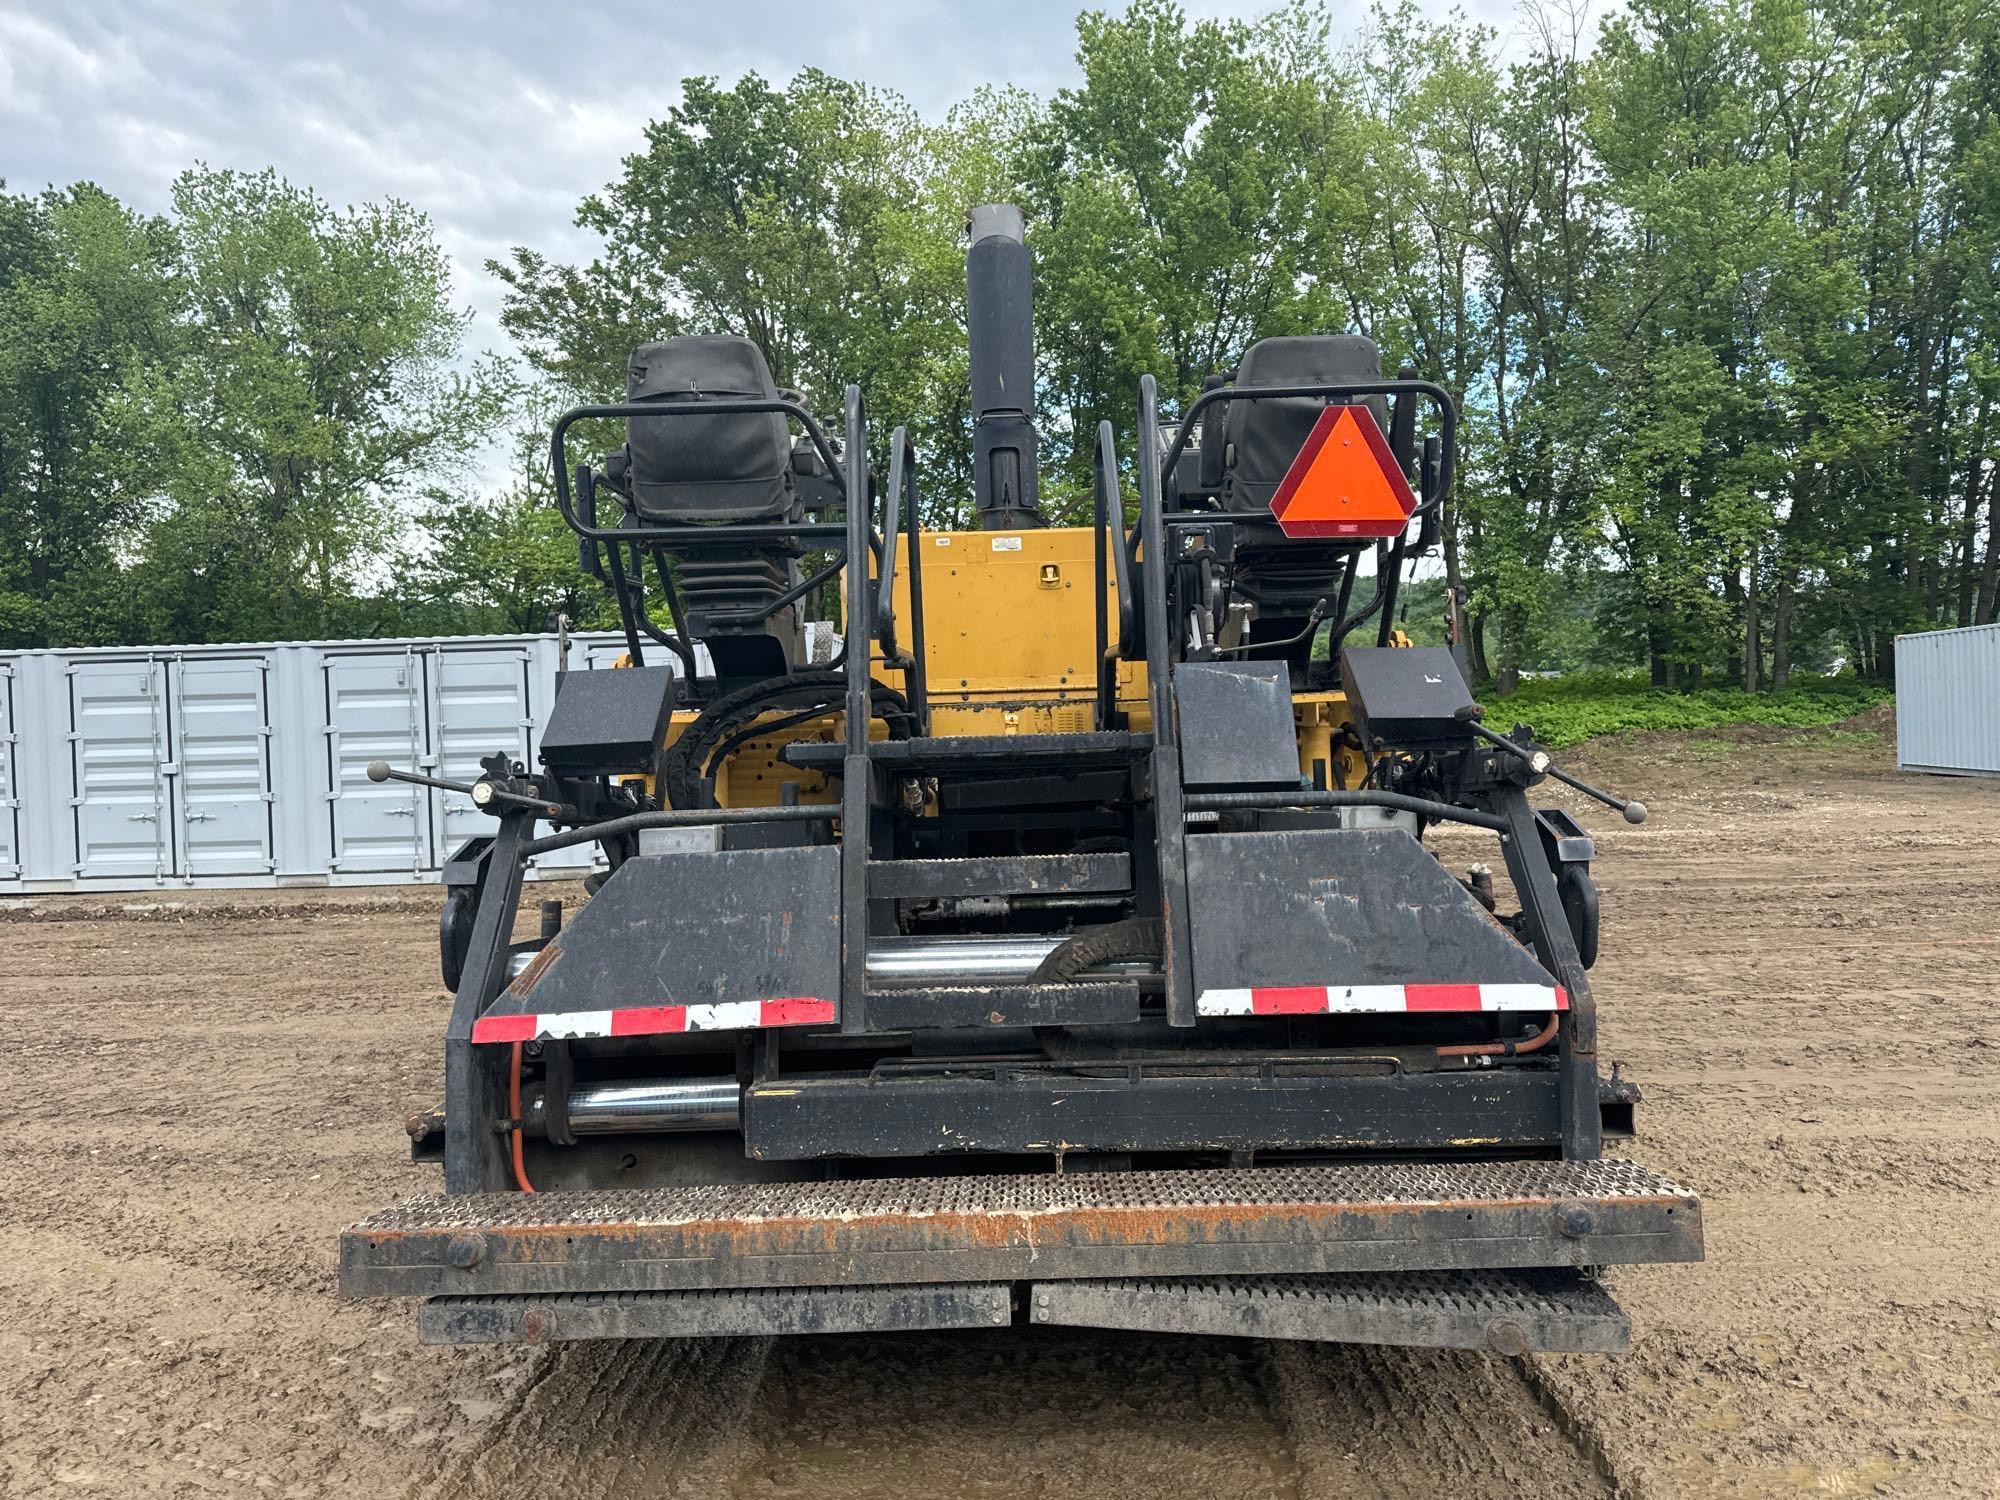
[(1000, 323)]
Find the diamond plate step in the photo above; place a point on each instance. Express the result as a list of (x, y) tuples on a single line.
[(1392, 1216), (1507, 1312), (552, 1317)]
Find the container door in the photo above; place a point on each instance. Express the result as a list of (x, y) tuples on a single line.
[(479, 707), (121, 760), (10, 796), (375, 710), (223, 804)]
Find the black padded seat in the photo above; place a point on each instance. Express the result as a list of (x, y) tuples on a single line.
[(1261, 438), (710, 468)]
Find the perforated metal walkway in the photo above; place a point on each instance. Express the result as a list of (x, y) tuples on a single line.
[(901, 1231)]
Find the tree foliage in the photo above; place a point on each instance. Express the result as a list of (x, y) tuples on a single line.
[(209, 422), (85, 309), (1715, 282)]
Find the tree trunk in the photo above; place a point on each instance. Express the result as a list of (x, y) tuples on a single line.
[(1753, 649), (1513, 625), (1781, 632), (1968, 528), (1454, 585), (1732, 594), (1661, 666), (1989, 573)]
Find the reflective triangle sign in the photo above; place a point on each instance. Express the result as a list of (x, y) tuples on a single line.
[(1345, 481)]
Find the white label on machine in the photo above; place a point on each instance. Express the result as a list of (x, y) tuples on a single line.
[(942, 541), (1006, 544), (700, 839)]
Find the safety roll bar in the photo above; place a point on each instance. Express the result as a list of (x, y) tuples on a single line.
[(1430, 390), (657, 540)]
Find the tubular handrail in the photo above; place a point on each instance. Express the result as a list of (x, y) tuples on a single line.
[(859, 533), (903, 473), (900, 450), (660, 539), (1152, 464), (1152, 533), (1107, 480), (1107, 517), (857, 786)]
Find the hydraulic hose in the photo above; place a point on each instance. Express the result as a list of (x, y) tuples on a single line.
[(1534, 1043), (514, 1112), (821, 691)]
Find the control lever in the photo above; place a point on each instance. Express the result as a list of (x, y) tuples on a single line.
[(1539, 762), (483, 792)]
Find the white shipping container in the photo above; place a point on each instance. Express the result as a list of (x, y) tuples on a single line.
[(128, 768), (1948, 701)]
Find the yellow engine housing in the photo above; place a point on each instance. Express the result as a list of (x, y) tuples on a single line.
[(1010, 640)]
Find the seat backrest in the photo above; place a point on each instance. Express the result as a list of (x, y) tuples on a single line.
[(1261, 438), (734, 467)]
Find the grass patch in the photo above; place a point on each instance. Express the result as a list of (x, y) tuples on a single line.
[(1565, 710)]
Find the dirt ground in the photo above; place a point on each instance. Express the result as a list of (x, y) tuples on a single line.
[(1798, 968)]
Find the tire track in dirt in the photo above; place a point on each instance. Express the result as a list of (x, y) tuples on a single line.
[(601, 1421), (1410, 1424), (1024, 1412)]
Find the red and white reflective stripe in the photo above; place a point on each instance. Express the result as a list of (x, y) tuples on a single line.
[(656, 1020), (1378, 999)]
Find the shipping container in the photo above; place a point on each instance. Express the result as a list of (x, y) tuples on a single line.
[(131, 768), (1948, 701)]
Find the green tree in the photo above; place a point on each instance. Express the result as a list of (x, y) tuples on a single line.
[(313, 384), (499, 564), (85, 308), (1185, 198), (787, 216)]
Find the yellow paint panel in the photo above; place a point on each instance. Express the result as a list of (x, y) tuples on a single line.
[(1009, 614)]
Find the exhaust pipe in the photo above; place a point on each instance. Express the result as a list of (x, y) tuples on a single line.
[(1000, 327)]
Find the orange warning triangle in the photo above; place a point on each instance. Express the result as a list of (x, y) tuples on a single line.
[(1345, 481)]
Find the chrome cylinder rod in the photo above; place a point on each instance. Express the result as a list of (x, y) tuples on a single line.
[(967, 960), (654, 1105), (941, 960)]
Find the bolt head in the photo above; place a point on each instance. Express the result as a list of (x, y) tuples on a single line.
[(465, 1250), (1505, 1336)]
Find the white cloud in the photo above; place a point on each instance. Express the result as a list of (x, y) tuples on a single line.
[(492, 116)]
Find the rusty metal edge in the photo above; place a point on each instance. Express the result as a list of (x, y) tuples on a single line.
[(1184, 1240), (757, 1312)]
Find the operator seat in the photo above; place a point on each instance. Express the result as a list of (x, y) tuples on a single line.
[(711, 471), (735, 467), (1247, 446)]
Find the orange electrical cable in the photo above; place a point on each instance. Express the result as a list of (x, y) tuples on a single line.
[(514, 1109), (1507, 1049)]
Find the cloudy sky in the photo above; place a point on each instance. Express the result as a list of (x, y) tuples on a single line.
[(492, 117)]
